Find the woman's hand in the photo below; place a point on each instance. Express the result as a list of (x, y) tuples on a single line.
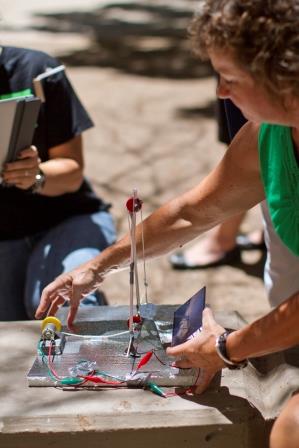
[(22, 172), (200, 351), (72, 286)]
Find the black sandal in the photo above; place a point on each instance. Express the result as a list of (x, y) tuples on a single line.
[(232, 257), (244, 243)]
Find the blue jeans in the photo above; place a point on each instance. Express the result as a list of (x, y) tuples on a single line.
[(27, 265)]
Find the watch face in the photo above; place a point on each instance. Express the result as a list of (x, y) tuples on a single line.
[(39, 182)]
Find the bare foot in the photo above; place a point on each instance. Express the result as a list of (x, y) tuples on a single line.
[(251, 241), (205, 253)]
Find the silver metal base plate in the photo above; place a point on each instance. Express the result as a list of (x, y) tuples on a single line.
[(99, 325)]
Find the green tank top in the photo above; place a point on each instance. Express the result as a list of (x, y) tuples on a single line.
[(280, 175)]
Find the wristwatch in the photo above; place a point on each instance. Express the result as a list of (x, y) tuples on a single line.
[(222, 353), (40, 180)]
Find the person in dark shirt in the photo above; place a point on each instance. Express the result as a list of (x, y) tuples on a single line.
[(51, 219)]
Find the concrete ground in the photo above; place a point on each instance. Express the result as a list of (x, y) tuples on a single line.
[(154, 134)]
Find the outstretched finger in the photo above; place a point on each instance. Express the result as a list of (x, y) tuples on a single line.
[(207, 317), (208, 320), (50, 293), (71, 315), (46, 299), (55, 305)]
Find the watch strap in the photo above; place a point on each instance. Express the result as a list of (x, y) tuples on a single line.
[(222, 352)]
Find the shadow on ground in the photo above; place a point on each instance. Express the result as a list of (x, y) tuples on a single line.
[(206, 111), (238, 411), (148, 38)]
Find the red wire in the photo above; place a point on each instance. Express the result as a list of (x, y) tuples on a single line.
[(53, 371), (160, 360), (98, 379), (192, 388), (185, 391), (86, 378)]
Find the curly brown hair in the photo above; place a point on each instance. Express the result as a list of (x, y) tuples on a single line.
[(263, 35)]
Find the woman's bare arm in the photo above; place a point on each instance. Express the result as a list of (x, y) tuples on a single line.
[(232, 187)]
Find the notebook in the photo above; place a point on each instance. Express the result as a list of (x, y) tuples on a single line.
[(18, 119), (38, 81)]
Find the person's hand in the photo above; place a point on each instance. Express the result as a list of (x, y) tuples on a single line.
[(200, 351), (72, 286), (22, 172)]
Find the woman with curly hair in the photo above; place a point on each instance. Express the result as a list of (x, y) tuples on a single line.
[(254, 47)]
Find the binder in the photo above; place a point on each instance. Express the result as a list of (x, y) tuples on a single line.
[(18, 119), (38, 81)]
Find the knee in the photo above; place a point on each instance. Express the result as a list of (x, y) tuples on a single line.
[(285, 431)]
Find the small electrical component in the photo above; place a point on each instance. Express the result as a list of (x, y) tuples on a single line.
[(52, 340)]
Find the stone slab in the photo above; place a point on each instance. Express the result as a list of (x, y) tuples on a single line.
[(234, 412)]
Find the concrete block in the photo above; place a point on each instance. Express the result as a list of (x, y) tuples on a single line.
[(235, 412)]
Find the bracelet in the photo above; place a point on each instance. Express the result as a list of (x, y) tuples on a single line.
[(222, 353)]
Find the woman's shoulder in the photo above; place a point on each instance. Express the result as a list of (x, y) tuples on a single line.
[(243, 150)]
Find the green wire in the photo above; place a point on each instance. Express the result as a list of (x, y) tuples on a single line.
[(71, 381), (68, 381)]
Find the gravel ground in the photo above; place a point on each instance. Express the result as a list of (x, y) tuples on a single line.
[(154, 134)]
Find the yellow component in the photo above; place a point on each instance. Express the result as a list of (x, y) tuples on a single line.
[(51, 320)]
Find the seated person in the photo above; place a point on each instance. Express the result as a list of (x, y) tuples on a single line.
[(51, 220)]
